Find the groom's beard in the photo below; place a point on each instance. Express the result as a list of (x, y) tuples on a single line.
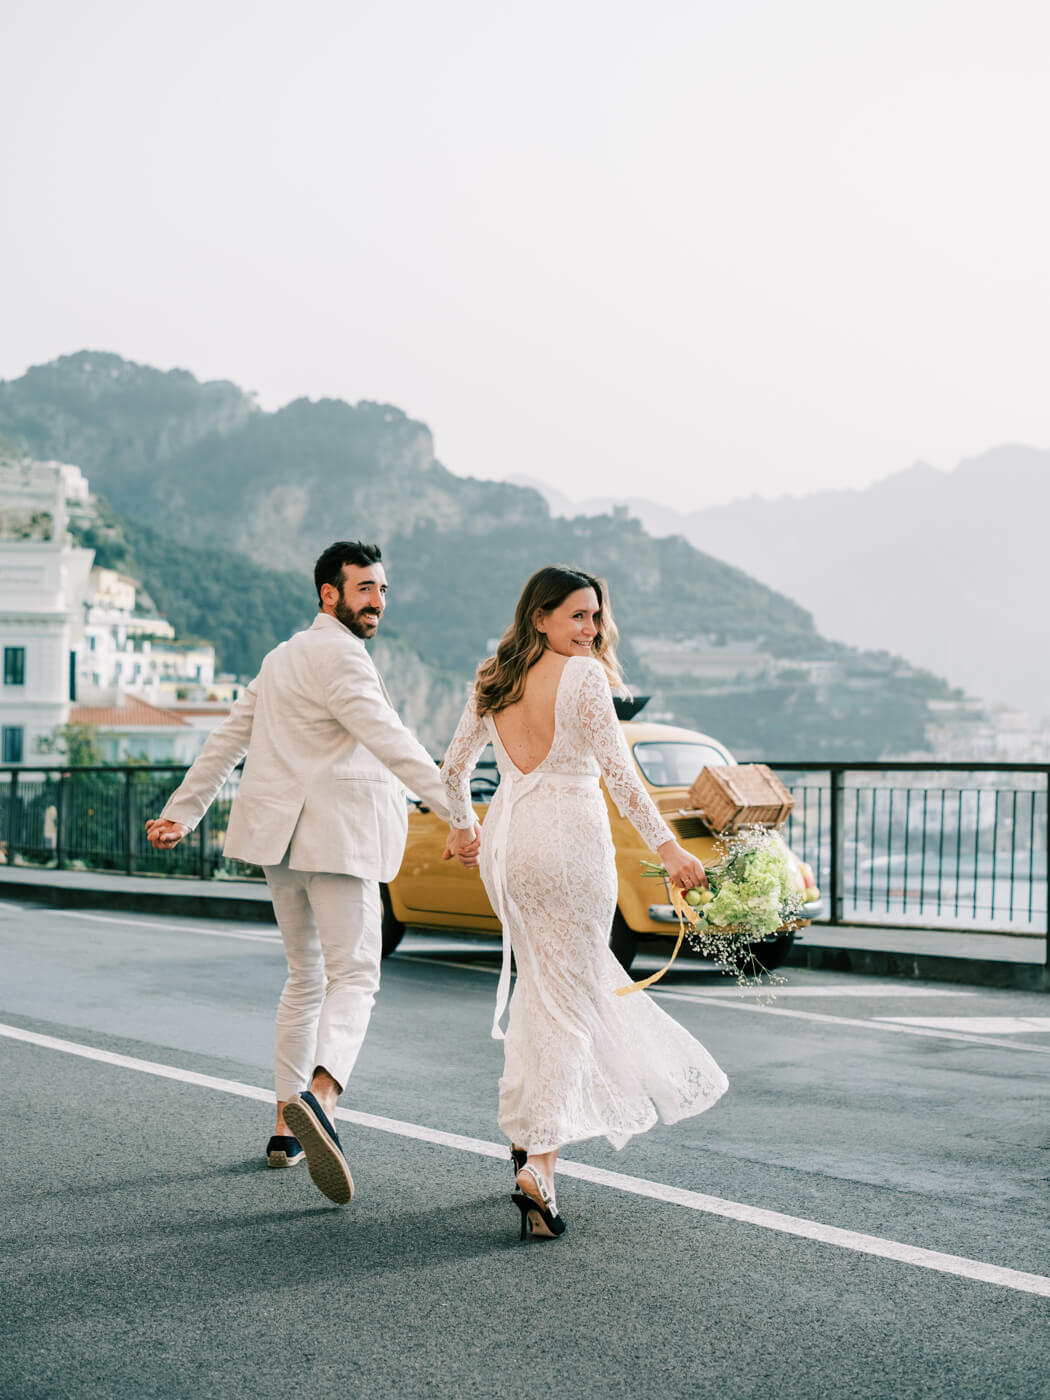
[(363, 624)]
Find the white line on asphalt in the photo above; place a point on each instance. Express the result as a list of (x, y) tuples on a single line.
[(880, 989), (167, 927), (447, 962), (874, 1245), (882, 1024), (978, 1025), (720, 998), (723, 1000)]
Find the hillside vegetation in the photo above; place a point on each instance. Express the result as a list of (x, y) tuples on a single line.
[(221, 509)]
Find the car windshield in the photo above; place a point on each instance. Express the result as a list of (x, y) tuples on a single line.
[(667, 763)]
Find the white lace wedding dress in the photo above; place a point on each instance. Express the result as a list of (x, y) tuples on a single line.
[(580, 1061)]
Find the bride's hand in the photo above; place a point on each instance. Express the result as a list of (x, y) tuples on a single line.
[(165, 835), (463, 843), (683, 870)]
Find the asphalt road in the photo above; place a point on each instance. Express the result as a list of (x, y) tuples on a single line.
[(865, 1213)]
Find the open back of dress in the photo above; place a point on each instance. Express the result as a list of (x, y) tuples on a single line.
[(580, 1061)]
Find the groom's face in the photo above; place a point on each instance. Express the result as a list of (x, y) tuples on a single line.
[(360, 604)]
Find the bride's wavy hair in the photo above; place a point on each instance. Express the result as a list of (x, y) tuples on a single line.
[(501, 678)]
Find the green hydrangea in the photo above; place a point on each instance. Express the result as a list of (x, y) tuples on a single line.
[(753, 905), (755, 887)]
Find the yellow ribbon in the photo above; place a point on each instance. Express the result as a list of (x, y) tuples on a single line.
[(684, 912)]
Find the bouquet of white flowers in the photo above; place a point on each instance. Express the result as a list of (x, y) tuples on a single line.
[(755, 888)]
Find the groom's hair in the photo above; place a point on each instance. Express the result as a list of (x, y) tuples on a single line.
[(329, 567)]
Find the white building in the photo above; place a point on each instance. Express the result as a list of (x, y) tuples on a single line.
[(70, 633), (43, 581), (136, 653), (131, 729)]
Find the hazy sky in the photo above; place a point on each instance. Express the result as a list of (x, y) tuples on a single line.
[(686, 250)]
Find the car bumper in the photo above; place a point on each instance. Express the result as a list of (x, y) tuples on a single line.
[(665, 914)]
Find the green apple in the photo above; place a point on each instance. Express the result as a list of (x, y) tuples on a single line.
[(693, 898)]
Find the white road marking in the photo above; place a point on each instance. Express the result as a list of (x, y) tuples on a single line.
[(978, 1025), (729, 1001), (732, 991), (459, 966), (727, 998), (164, 927), (440, 942), (881, 989), (880, 1024), (874, 1245)]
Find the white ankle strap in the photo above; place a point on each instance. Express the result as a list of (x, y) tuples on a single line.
[(545, 1195)]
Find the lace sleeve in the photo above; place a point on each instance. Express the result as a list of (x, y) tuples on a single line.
[(467, 742), (602, 728)]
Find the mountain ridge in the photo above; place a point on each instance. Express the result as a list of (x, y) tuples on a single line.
[(942, 567), (274, 488)]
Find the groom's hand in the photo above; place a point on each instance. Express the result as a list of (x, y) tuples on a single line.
[(464, 844), (164, 835)]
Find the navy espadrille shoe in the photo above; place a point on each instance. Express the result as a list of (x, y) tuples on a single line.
[(324, 1152), (284, 1152)]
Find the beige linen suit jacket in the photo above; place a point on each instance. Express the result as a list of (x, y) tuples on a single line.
[(326, 757)]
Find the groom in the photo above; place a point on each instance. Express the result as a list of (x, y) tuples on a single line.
[(320, 807)]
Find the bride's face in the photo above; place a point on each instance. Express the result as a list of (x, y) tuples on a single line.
[(570, 628)]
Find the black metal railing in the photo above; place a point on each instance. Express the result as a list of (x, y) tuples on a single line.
[(926, 845), (913, 845), (94, 818)]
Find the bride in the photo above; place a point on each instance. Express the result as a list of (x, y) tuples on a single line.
[(580, 1061)]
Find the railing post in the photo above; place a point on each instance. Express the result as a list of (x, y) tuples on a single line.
[(1046, 849), (129, 817), (835, 874), (203, 828), (60, 821), (12, 817)]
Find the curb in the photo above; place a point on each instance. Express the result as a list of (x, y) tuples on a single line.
[(927, 967), (205, 906)]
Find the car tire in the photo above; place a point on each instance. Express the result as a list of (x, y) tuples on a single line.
[(772, 953), (393, 928), (623, 941)]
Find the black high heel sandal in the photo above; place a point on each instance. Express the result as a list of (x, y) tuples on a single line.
[(543, 1221), (519, 1156)]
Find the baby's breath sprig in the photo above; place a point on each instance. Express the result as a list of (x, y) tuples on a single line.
[(755, 889)]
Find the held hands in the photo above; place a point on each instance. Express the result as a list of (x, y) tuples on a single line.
[(683, 870), (464, 844), (164, 835)]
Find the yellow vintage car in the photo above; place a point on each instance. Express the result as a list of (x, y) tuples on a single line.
[(429, 893)]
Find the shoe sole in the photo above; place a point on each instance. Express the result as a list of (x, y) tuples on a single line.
[(325, 1163), (281, 1159), (538, 1228)]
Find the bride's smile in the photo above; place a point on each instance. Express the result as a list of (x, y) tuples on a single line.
[(574, 625)]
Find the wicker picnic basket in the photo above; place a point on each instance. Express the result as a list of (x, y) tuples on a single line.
[(744, 794)]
